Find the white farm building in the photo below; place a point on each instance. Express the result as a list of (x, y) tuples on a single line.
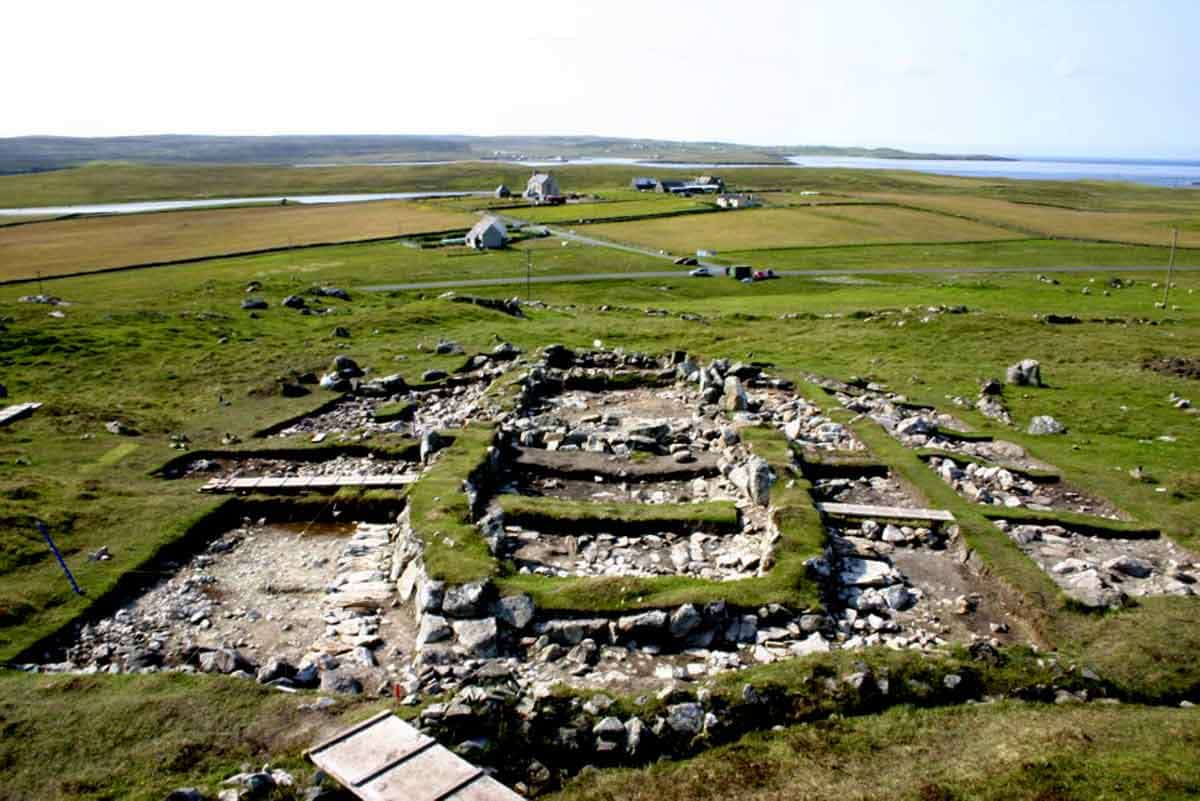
[(542, 188), (487, 234)]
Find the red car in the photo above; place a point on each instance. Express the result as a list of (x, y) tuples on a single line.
[(764, 275)]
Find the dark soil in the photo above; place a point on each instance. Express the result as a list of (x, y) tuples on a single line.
[(1177, 366)]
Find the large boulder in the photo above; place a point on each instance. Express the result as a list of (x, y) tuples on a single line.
[(1044, 424), (185, 794), (913, 426), (466, 600), (477, 637), (334, 681), (433, 628), (685, 620), (686, 719), (224, 660), (515, 611), (1025, 373), (735, 395), (558, 356), (345, 367), (431, 442), (643, 625), (385, 386), (761, 479), (274, 670), (1130, 566)]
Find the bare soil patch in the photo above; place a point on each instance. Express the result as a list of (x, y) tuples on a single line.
[(1175, 366)]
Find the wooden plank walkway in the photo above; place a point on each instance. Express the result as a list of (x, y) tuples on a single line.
[(385, 759), (885, 512), (10, 414), (306, 483)]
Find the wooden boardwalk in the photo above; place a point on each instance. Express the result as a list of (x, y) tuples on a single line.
[(885, 512), (306, 483), (10, 414), (385, 759)]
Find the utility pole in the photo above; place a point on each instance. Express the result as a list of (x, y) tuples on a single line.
[(1170, 268), (528, 275)]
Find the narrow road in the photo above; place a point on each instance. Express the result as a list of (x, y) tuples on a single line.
[(681, 272)]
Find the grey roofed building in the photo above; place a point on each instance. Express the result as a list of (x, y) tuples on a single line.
[(541, 186), (669, 186), (643, 184), (503, 191), (487, 234), (710, 180)]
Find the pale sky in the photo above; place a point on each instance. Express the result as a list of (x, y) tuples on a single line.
[(1051, 77)]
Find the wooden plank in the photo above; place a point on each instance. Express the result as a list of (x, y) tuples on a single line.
[(11, 414), (385, 759), (887, 512), (484, 789), (323, 481), (430, 775), (266, 483)]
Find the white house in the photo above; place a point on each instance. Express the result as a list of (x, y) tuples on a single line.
[(488, 234), (737, 201), (541, 187)]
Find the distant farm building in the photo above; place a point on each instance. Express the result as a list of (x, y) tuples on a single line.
[(502, 191), (542, 188), (643, 184), (488, 234), (737, 201), (701, 185)]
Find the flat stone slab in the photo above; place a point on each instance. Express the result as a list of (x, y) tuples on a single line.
[(10, 414), (885, 512), (385, 759), (296, 483)]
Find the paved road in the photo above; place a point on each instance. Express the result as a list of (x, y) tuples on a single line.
[(519, 280)]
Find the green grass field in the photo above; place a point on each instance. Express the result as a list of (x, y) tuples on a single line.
[(1013, 752), (578, 212), (797, 227), (1124, 225), (169, 351), (148, 344), (1010, 253)]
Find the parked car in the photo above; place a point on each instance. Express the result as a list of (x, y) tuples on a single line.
[(701, 272), (764, 275)]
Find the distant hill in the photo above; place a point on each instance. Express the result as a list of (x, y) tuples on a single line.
[(37, 153)]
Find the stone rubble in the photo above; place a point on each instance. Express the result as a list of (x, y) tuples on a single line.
[(867, 490), (325, 631), (337, 466), (1103, 571), (441, 408), (997, 486), (716, 557)]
